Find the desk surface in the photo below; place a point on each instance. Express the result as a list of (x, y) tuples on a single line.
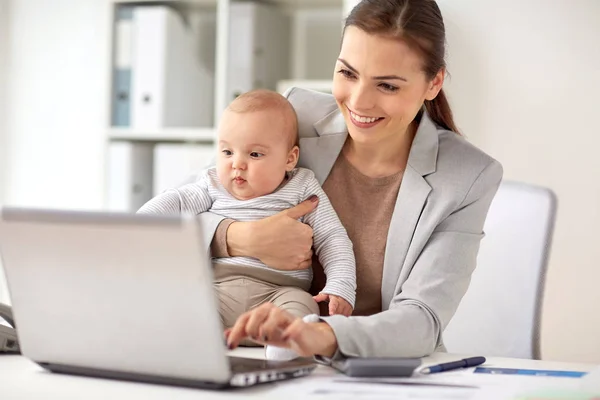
[(23, 379)]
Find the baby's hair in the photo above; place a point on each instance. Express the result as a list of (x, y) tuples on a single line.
[(263, 100)]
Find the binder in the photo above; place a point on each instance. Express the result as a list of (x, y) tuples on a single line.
[(121, 93), (175, 164), (258, 47), (129, 175), (173, 63)]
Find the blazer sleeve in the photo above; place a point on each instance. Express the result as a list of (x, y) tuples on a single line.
[(423, 306)]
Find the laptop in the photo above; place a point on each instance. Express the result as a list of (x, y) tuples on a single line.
[(122, 296)]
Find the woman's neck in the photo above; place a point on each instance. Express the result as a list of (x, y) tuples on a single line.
[(383, 158)]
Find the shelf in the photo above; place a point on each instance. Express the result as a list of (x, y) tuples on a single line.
[(320, 85), (296, 4), (168, 135), (150, 2)]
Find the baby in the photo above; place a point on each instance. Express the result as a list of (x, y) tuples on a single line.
[(256, 177)]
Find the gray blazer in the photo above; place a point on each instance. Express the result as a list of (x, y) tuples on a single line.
[(434, 233)]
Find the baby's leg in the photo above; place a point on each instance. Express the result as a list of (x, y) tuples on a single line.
[(295, 301), (231, 295)]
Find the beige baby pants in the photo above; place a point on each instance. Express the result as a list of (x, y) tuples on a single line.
[(241, 288)]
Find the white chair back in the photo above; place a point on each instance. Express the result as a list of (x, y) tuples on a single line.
[(500, 313)]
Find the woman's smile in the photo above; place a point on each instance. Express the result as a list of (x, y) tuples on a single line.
[(362, 121)]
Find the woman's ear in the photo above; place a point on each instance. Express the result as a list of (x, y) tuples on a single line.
[(435, 85), (292, 158)]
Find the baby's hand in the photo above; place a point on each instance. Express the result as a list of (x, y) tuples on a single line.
[(337, 305)]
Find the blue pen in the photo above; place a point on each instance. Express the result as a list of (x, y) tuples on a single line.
[(464, 363)]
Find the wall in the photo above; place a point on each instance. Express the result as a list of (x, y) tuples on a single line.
[(4, 4), (349, 5), (57, 103), (525, 77)]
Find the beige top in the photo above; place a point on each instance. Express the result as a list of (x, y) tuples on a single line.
[(365, 206)]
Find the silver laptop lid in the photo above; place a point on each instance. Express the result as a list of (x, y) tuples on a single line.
[(120, 292)]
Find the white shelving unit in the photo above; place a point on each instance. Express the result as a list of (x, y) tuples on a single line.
[(307, 48), (185, 135)]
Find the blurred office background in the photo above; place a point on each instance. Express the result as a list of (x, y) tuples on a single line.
[(525, 78)]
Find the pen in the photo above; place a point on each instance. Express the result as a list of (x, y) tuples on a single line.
[(464, 363)]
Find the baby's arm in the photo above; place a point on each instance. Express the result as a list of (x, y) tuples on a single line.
[(332, 246), (193, 198)]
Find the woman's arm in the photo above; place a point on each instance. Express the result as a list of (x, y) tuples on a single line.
[(280, 241)]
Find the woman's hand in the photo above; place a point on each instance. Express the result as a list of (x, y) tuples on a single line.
[(280, 241), (337, 305), (271, 325)]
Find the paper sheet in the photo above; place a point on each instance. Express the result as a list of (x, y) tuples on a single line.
[(592, 380), (467, 379), (357, 391)]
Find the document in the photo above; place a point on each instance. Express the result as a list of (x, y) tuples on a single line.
[(359, 391), (591, 381), (468, 379)]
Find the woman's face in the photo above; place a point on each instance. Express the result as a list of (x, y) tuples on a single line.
[(380, 86)]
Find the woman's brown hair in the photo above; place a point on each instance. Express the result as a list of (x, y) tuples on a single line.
[(418, 23)]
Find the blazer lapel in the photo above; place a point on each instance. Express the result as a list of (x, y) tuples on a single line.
[(413, 194), (319, 153)]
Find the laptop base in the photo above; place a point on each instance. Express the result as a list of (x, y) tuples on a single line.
[(245, 372)]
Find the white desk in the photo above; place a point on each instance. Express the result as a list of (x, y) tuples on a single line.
[(23, 379)]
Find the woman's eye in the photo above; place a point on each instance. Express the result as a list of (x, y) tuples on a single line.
[(227, 152), (388, 88), (346, 73), (256, 154)]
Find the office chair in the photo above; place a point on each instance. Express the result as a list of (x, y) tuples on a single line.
[(500, 313)]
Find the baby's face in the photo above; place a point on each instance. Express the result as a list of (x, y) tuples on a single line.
[(253, 153)]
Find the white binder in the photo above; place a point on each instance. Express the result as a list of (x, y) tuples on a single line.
[(173, 64), (121, 90), (258, 48), (129, 175)]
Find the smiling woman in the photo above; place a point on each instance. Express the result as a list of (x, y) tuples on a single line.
[(412, 193)]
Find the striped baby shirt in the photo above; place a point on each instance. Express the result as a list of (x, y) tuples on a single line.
[(330, 240)]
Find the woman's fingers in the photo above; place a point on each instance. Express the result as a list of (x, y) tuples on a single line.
[(283, 242), (303, 208), (247, 325), (238, 331), (295, 337), (257, 319), (272, 328), (264, 325)]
